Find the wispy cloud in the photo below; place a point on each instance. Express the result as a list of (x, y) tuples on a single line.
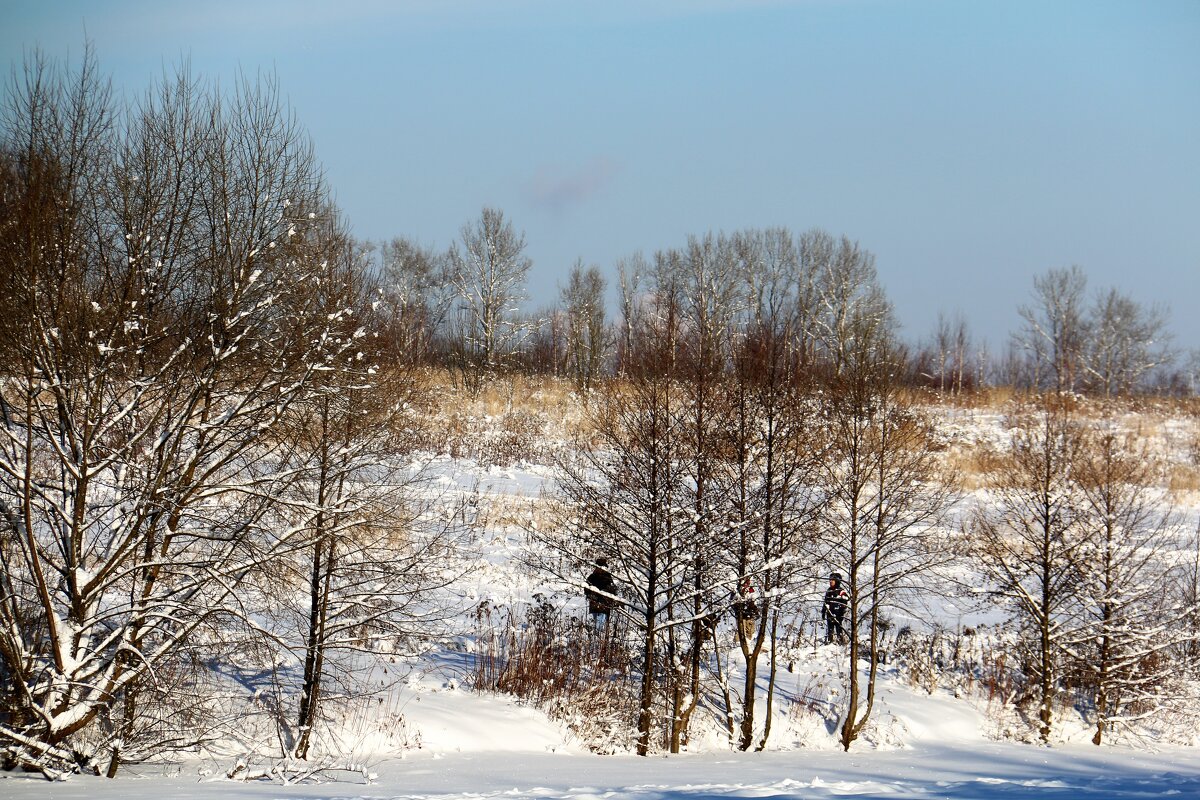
[(558, 189)]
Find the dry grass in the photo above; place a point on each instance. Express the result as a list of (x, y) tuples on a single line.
[(521, 417), (1003, 398), (1168, 429), (504, 511), (507, 396), (975, 467), (579, 676), (994, 398), (1183, 478), (517, 392), (512, 418)]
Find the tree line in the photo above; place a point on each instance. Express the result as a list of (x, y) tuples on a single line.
[(464, 309)]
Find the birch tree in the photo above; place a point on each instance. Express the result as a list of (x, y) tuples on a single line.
[(846, 294), (951, 345), (631, 272), (1126, 341), (1055, 328), (488, 270), (586, 332), (416, 284)]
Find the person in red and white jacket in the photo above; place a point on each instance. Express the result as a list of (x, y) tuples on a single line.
[(833, 610)]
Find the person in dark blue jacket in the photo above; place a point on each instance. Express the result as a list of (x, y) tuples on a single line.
[(600, 593)]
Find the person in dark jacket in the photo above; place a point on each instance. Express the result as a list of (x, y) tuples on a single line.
[(600, 593), (833, 610)]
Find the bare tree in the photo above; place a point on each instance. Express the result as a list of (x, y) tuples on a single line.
[(586, 332), (765, 454), (1029, 536), (370, 558), (776, 292), (630, 274), (1130, 625), (813, 251), (848, 298), (416, 286), (773, 449), (1125, 343), (1191, 372), (488, 269), (885, 493), (631, 494), (166, 327), (704, 276), (1185, 593), (625, 500), (1055, 328), (951, 353)]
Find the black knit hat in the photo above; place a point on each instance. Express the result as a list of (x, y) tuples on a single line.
[(835, 576)]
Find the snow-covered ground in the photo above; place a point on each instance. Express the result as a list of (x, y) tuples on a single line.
[(939, 767), (476, 747), (430, 736)]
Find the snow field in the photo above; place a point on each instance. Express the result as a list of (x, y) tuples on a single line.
[(430, 737)]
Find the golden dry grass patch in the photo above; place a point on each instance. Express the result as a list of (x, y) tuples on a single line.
[(989, 398), (514, 511), (975, 467), (1183, 478)]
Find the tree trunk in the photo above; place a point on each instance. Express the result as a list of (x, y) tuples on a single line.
[(314, 659), (1046, 679), (646, 699), (747, 731), (849, 729), (774, 671)]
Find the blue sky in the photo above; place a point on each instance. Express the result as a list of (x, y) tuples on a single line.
[(969, 144)]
